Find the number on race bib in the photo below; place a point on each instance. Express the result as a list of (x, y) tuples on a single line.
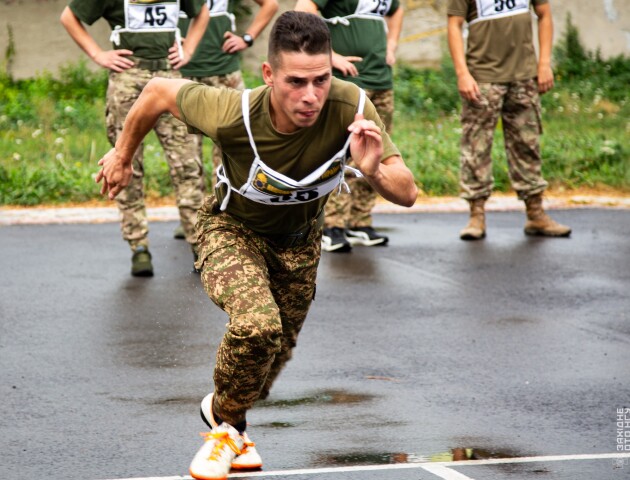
[(500, 5), (159, 18)]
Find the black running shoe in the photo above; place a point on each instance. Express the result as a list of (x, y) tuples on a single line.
[(366, 236), (334, 240)]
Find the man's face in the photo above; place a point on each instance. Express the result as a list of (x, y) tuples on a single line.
[(300, 85)]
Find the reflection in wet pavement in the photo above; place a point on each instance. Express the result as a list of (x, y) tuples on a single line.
[(335, 397), (386, 458)]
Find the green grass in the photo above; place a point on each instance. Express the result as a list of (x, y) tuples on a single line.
[(52, 132)]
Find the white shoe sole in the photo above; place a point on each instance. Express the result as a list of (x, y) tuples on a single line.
[(327, 246), (360, 238)]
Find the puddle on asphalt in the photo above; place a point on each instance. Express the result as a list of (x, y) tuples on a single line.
[(386, 458), (334, 397), (277, 425), (155, 402)]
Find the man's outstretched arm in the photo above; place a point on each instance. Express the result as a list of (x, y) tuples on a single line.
[(158, 97)]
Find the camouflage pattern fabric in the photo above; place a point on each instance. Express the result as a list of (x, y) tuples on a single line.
[(185, 165), (230, 80), (518, 105), (266, 292), (355, 209)]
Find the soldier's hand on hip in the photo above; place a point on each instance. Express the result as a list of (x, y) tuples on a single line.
[(115, 60), (346, 64)]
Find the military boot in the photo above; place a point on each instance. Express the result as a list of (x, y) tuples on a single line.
[(476, 228), (539, 223), (141, 265)]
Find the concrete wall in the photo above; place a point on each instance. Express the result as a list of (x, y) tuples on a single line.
[(41, 43)]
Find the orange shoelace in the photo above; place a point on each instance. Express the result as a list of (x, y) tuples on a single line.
[(247, 444), (222, 438)]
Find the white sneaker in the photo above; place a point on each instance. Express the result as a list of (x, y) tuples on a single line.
[(249, 458), (214, 459)]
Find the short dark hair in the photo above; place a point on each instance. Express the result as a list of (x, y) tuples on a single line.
[(298, 32)]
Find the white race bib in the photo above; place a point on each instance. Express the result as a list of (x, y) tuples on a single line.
[(217, 6), (491, 9), (373, 7), (151, 15)]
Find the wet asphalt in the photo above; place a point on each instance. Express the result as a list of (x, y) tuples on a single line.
[(508, 347)]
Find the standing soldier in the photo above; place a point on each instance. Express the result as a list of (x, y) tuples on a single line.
[(497, 75), (285, 146), (147, 44), (365, 36), (216, 61)]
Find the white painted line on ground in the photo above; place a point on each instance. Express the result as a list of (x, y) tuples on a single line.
[(445, 473), (429, 466)]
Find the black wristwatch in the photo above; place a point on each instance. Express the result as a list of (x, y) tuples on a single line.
[(249, 40)]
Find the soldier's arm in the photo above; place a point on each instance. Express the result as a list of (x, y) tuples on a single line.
[(158, 96), (235, 43), (115, 60), (389, 177), (466, 84), (394, 27), (196, 30), (344, 64), (545, 38)]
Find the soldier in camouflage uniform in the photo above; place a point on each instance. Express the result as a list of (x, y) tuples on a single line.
[(285, 147), (365, 37), (149, 37), (499, 78)]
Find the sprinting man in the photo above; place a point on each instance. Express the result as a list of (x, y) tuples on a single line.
[(285, 147), (498, 76), (147, 44)]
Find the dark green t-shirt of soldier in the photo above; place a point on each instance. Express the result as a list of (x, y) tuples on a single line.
[(209, 58), (153, 17), (358, 28)]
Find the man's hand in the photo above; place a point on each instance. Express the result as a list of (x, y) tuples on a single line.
[(545, 78), (115, 60), (345, 64), (175, 57), (366, 145), (390, 57), (468, 88), (115, 174), (233, 43)]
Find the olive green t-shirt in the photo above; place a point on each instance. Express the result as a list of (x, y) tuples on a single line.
[(209, 58), (500, 46), (216, 112), (142, 44), (366, 38)]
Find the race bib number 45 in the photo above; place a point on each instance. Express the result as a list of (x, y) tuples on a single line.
[(149, 15)]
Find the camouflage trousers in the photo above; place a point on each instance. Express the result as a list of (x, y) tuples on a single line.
[(266, 292), (355, 209), (185, 167), (518, 105), (230, 80)]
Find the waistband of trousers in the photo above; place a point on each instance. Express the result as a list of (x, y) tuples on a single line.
[(152, 65), (299, 237)]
